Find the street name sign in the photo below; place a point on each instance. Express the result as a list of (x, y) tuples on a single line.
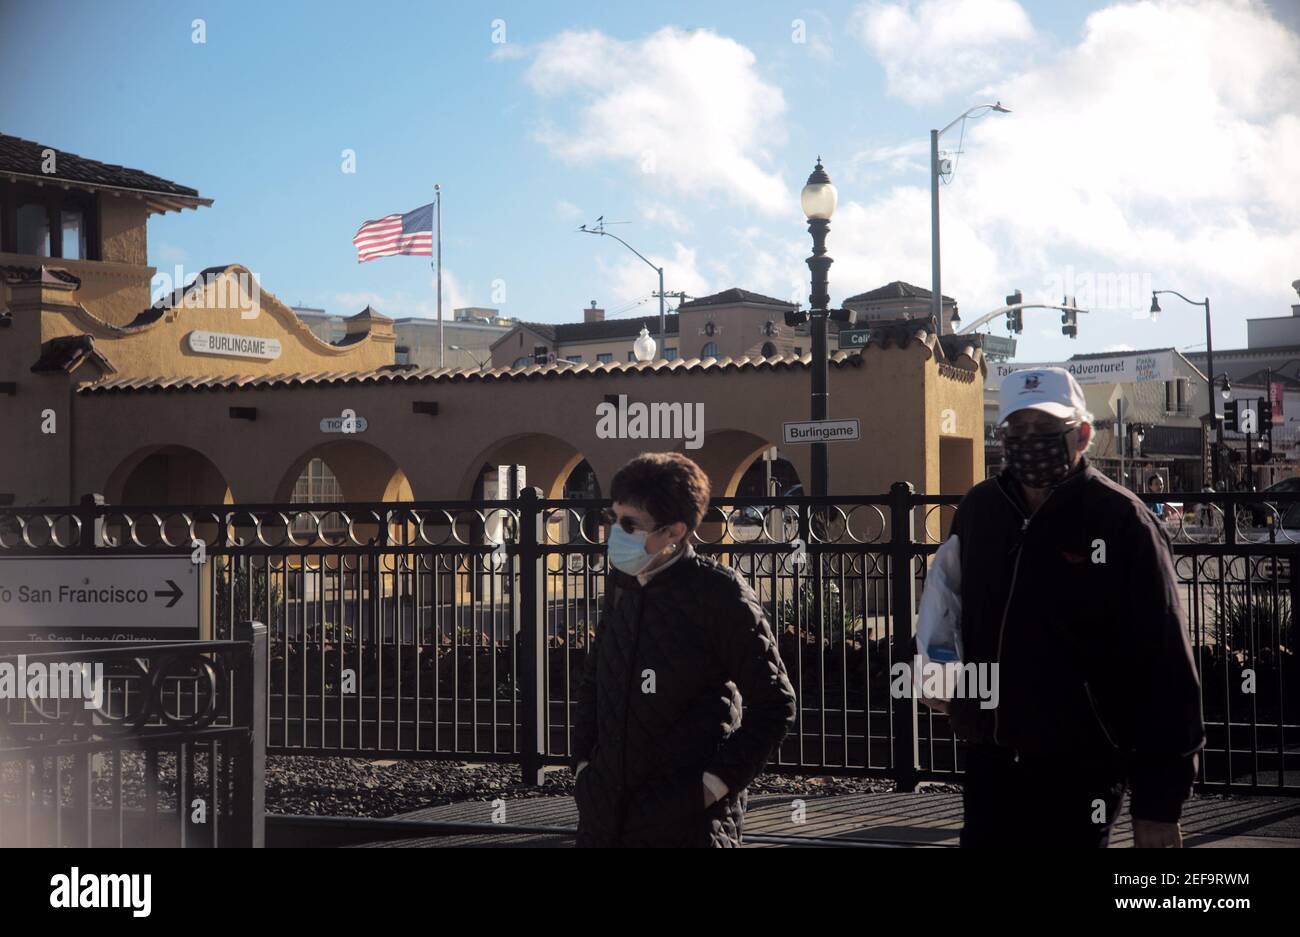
[(854, 338), (99, 597), (821, 431)]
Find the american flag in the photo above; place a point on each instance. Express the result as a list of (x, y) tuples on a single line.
[(411, 233)]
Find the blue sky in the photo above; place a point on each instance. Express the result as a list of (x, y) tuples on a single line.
[(1147, 147)]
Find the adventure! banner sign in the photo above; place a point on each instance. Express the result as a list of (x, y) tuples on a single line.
[(1117, 369)]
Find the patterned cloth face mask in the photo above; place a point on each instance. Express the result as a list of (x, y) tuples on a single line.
[(1037, 460)]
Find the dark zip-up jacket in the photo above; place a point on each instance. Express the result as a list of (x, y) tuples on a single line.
[(674, 666), (1078, 604)]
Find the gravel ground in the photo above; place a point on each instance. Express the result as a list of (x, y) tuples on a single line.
[(360, 787)]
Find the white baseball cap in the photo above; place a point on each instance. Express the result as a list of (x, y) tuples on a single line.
[(1052, 390)]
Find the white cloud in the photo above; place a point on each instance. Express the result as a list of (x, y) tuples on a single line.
[(567, 211), (629, 278), (687, 111), (935, 47), (1128, 164), (665, 215)]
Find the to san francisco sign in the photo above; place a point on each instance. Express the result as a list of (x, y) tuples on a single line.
[(237, 346), (90, 597)]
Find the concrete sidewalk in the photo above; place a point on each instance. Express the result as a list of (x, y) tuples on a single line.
[(916, 819)]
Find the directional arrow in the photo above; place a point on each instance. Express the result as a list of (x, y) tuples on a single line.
[(175, 594)]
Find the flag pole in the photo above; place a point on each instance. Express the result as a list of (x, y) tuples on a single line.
[(437, 203)]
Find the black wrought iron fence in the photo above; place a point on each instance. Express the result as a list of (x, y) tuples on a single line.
[(129, 745), (459, 629)]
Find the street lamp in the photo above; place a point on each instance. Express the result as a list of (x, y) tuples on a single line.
[(643, 349), (936, 299), (600, 229), (1225, 389), (1209, 372), (818, 201)]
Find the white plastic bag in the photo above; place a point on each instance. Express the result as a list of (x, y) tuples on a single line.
[(938, 620)]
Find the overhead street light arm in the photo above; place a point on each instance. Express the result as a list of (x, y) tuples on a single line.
[(978, 107), (1003, 310), (1203, 302), (663, 322), (586, 230)]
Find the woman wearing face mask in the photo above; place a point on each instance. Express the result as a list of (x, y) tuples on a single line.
[(683, 648)]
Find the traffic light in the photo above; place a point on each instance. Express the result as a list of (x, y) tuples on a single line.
[(1265, 415), (1015, 317), (1069, 318), (1230, 416)]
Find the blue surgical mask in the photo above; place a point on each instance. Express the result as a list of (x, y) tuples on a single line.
[(627, 551)]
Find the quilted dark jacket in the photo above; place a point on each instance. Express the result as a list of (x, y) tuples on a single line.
[(673, 667)]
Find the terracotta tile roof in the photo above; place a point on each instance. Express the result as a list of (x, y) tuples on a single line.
[(406, 374), (19, 157), (737, 295), (896, 290)]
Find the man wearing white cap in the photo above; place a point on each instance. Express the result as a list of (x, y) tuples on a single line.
[(1066, 589)]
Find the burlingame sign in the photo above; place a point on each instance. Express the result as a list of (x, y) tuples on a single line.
[(1119, 369), (238, 346)]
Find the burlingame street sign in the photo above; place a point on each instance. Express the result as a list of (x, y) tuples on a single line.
[(854, 338), (821, 431), (99, 597)]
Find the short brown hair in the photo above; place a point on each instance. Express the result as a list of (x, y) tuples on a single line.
[(666, 485)]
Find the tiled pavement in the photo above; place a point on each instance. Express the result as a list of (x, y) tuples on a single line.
[(915, 819)]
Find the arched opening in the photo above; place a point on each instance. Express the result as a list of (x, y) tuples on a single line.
[(167, 475), (164, 476), (769, 478), (769, 350), (357, 471), (344, 471), (710, 350), (548, 463)]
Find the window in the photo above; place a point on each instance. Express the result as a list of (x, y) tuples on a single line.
[(49, 222), (318, 485), (604, 358), (574, 359), (798, 350), (631, 356), (523, 362), (1176, 395), (710, 350), (769, 350), (33, 230), (74, 234), (670, 354)]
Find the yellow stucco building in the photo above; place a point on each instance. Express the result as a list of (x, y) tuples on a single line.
[(220, 393)]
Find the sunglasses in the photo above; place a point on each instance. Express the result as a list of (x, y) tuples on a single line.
[(608, 518), (1004, 431)]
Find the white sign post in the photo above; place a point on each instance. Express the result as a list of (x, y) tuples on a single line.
[(809, 431), (94, 598)]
